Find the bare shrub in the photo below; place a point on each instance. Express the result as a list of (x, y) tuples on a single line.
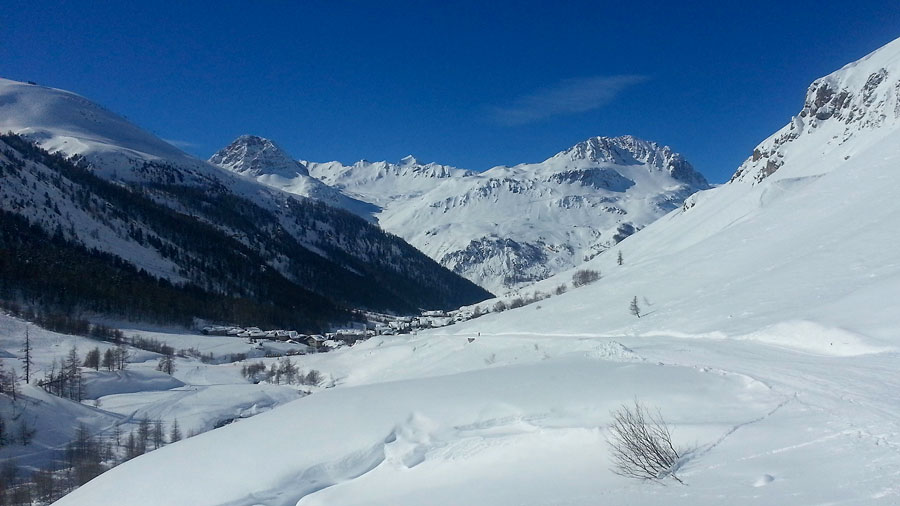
[(584, 277), (641, 444)]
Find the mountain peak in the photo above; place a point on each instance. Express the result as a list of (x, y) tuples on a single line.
[(409, 160), (851, 107), (252, 155), (630, 150)]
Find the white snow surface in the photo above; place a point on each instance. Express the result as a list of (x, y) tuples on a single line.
[(199, 396), (768, 340)]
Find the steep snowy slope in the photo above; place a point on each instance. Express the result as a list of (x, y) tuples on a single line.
[(151, 204), (265, 161), (62, 121), (509, 226), (768, 339)]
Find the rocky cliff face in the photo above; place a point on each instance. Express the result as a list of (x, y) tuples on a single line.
[(842, 111)]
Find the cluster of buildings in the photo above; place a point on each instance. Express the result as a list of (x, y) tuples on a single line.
[(391, 325), (314, 342), (378, 324)]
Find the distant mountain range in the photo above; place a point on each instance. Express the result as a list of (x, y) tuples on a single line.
[(503, 228)]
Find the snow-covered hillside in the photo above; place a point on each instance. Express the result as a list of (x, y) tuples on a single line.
[(61, 121), (508, 226), (767, 338), (200, 396), (135, 196)]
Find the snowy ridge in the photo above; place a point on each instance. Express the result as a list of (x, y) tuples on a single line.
[(262, 159), (510, 226), (62, 121), (250, 155), (384, 183), (843, 111)]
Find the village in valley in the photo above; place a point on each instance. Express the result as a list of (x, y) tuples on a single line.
[(376, 324)]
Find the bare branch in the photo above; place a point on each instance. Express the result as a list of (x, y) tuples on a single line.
[(641, 444)]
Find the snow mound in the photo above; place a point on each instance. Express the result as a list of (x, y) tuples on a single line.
[(815, 338), (101, 384), (615, 351)]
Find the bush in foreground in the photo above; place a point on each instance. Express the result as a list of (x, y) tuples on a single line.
[(641, 444)]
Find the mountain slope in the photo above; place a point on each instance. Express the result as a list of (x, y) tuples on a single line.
[(265, 161), (511, 226), (314, 247), (768, 339), (816, 232)]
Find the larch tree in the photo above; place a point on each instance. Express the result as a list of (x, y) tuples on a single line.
[(27, 363), (635, 309)]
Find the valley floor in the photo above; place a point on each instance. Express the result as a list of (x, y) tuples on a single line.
[(521, 419)]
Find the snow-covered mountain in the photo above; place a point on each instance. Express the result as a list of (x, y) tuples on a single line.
[(508, 226), (767, 339), (268, 163), (127, 193), (386, 184)]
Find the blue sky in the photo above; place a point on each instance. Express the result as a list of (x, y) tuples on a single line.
[(471, 84)]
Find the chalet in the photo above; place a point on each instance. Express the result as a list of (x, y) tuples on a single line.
[(315, 342), (441, 322), (350, 336), (331, 344), (385, 330)]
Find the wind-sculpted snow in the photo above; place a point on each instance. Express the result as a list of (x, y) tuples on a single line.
[(489, 426)]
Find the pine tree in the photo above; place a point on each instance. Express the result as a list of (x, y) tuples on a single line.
[(92, 359), (635, 309), (27, 363), (175, 434), (109, 360), (72, 371), (159, 436), (26, 433), (8, 382), (121, 357), (131, 447), (143, 435), (167, 361)]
